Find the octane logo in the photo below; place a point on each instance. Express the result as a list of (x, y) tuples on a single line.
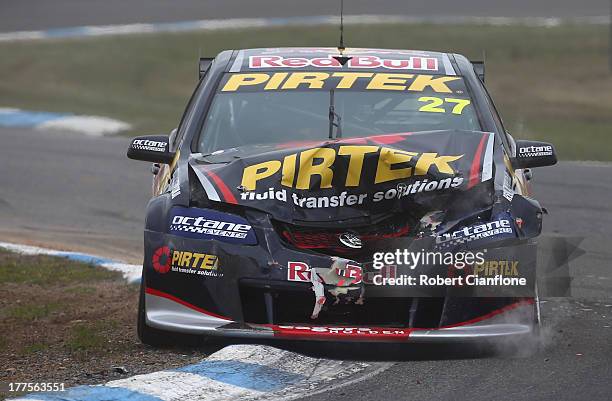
[(476, 232), (145, 144), (535, 151), (161, 260)]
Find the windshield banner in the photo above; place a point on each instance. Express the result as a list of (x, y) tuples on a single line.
[(315, 80)]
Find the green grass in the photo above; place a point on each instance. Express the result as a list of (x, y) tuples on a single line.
[(34, 348), (29, 312), (51, 304), (48, 270), (88, 337), (549, 83), (84, 338), (82, 290)]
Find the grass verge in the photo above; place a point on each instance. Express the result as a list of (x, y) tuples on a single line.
[(56, 271), (549, 83), (29, 312), (69, 322)]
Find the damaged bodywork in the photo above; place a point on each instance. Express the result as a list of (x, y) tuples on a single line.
[(270, 227)]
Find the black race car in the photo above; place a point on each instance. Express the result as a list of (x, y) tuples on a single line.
[(323, 193)]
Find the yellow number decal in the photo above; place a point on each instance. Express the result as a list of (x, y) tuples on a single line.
[(433, 105), (460, 104)]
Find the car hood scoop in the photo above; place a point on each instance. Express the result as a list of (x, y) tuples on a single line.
[(352, 178)]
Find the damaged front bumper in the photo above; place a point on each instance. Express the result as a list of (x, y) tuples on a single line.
[(252, 292), (514, 320)]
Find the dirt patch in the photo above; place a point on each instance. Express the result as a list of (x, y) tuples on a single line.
[(72, 323)]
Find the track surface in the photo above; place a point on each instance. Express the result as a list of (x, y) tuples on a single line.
[(60, 189), (18, 15), (67, 189)]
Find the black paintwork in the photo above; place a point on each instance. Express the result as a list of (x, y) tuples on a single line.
[(267, 262)]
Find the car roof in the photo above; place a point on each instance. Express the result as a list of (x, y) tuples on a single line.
[(360, 59)]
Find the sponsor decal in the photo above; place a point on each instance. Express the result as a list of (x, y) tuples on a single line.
[(347, 52), (258, 81), (209, 224), (416, 187), (535, 151), (349, 271), (161, 260), (411, 63), (319, 163), (501, 228), (145, 144), (165, 259), (346, 199), (331, 331), (352, 177), (301, 272), (492, 268), (298, 271)]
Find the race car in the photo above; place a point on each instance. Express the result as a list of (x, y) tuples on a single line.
[(301, 182)]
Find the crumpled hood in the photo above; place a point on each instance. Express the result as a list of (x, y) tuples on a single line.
[(350, 178)]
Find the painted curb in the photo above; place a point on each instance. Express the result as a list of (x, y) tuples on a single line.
[(243, 23), (89, 125), (131, 273), (236, 372)]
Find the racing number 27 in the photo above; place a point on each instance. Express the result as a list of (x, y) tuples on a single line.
[(434, 103)]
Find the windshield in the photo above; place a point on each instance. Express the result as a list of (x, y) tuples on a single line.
[(274, 108)]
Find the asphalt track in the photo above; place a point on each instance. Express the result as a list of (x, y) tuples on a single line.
[(19, 15), (60, 189)]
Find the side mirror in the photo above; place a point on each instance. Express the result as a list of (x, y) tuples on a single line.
[(151, 148), (534, 154)]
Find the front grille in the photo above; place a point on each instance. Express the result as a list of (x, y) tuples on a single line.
[(327, 239), (292, 303)]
